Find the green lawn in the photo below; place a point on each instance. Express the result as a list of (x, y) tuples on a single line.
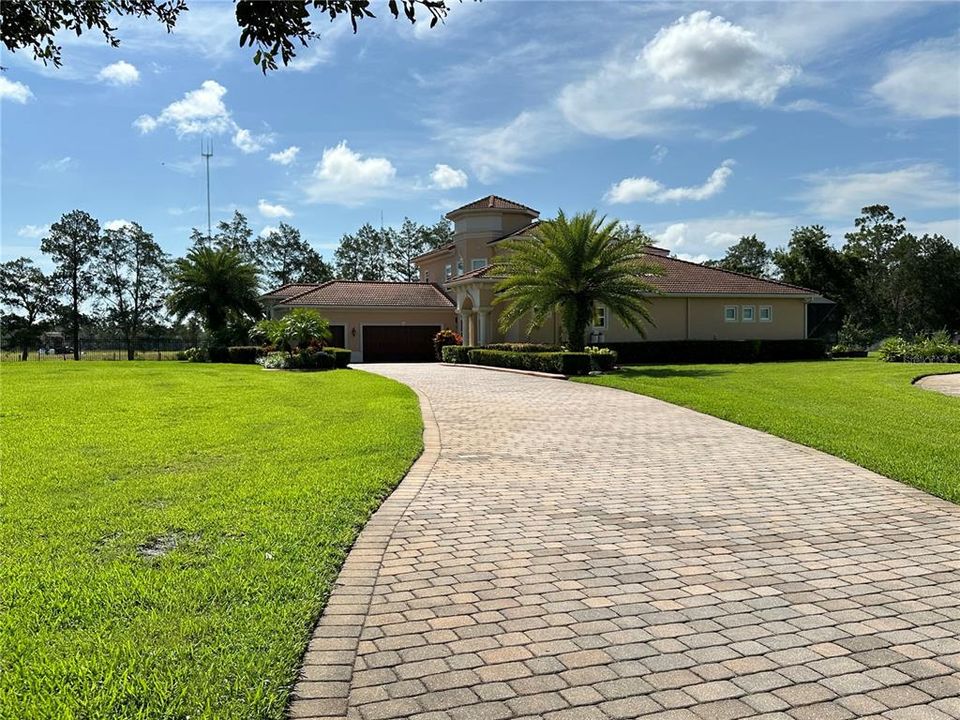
[(170, 531), (864, 411)]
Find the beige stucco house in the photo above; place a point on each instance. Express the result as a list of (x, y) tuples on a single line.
[(396, 320)]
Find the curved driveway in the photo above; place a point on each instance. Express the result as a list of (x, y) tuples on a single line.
[(567, 551)]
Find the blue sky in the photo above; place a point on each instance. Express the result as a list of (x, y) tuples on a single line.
[(701, 122)]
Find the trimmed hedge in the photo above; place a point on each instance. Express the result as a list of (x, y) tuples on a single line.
[(243, 354), (341, 356), (718, 351), (603, 361), (456, 353), (565, 363), (524, 347)]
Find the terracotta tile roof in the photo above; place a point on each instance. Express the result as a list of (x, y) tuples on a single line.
[(685, 278), (436, 251), (288, 290), (682, 277), (349, 293), (515, 233), (494, 202)]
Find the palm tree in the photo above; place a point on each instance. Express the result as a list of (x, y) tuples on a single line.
[(571, 265), (215, 285)]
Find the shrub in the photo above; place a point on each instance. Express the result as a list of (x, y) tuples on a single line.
[(718, 351), (525, 347), (218, 354), (297, 329), (308, 359), (445, 338), (456, 354), (244, 354), (565, 363), (601, 359), (932, 348), (193, 354), (341, 356)]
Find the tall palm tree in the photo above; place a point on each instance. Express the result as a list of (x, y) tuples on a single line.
[(215, 285), (571, 265)]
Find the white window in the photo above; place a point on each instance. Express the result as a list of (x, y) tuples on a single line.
[(447, 272), (730, 313), (746, 313), (766, 313), (599, 317), (459, 266), (426, 276), (478, 263)]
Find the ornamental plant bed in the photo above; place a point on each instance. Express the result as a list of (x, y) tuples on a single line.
[(562, 363)]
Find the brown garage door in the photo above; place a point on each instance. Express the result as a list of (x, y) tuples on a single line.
[(398, 343), (338, 336)]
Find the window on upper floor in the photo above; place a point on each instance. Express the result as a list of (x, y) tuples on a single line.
[(447, 271), (747, 313), (766, 313), (599, 317), (731, 313), (459, 266), (478, 263)]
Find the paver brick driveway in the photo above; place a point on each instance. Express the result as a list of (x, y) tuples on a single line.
[(582, 552)]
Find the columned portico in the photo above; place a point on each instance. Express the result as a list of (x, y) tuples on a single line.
[(483, 325)]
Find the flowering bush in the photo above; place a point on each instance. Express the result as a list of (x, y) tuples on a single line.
[(443, 339), (306, 359), (601, 359)]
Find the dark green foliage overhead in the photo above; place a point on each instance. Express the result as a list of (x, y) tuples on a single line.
[(275, 27)]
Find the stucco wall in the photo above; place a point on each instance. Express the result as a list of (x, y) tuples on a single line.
[(432, 269), (706, 320)]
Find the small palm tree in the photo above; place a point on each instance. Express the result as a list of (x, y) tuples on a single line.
[(571, 265), (215, 285)]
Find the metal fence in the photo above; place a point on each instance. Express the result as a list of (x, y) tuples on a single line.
[(105, 348)]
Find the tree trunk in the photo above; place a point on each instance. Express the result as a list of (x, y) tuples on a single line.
[(130, 353), (76, 322), (24, 351)]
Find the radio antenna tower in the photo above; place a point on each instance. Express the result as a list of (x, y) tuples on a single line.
[(206, 152)]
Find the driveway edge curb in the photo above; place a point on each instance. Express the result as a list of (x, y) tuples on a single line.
[(324, 680)]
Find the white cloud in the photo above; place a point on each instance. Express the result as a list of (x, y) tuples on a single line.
[(273, 211), (267, 229), (285, 157), (345, 177), (706, 237), (699, 259), (508, 148), (924, 81), (198, 111), (14, 91), (659, 153), (247, 142), (119, 73), (841, 194), (117, 224), (61, 165), (644, 189), (699, 60), (145, 124), (447, 178), (33, 232)]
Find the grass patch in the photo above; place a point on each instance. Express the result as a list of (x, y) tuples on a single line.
[(171, 531), (862, 410)]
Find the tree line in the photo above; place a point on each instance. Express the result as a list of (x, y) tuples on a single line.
[(884, 279), (121, 281)]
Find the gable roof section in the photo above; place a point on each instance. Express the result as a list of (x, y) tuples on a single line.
[(682, 277), (351, 293), (289, 290), (516, 233), (493, 202)]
